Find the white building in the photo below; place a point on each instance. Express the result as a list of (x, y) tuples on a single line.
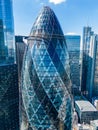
[(86, 111)]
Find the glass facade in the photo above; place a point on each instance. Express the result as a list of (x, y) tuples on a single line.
[(20, 49), (9, 99), (7, 44), (45, 81), (73, 45), (89, 82), (94, 54), (9, 93), (85, 67)]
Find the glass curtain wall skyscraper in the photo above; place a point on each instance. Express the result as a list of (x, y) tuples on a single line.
[(92, 85), (89, 85), (45, 84), (95, 88), (9, 94), (87, 33), (20, 50), (7, 44), (73, 45)]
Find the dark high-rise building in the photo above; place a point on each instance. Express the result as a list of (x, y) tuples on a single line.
[(73, 45), (9, 94), (45, 81), (9, 100), (21, 44)]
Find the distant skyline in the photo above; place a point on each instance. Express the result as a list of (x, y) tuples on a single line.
[(73, 15)]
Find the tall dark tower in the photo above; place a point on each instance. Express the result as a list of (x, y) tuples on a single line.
[(9, 99), (45, 81)]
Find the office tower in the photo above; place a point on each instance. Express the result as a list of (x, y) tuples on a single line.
[(89, 70), (7, 48), (92, 86), (45, 84), (21, 44), (73, 45), (9, 117), (9, 100), (87, 33)]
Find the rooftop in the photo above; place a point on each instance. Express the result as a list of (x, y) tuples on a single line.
[(95, 122), (85, 105)]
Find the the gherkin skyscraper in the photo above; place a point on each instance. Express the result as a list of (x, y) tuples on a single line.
[(45, 81)]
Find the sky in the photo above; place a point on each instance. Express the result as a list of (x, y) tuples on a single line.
[(73, 15)]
